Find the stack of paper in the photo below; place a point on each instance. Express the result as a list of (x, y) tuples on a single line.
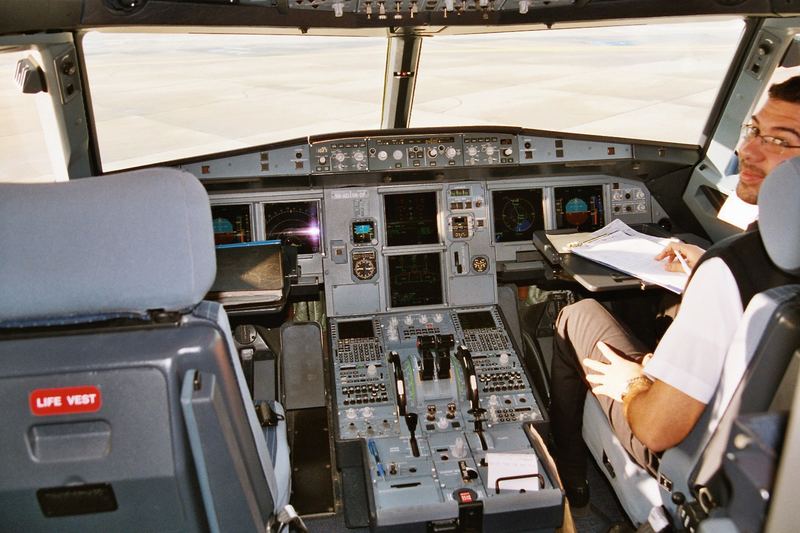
[(620, 247)]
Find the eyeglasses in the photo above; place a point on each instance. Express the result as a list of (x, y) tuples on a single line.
[(773, 144)]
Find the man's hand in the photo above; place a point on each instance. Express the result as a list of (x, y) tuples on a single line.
[(611, 379), (690, 253)]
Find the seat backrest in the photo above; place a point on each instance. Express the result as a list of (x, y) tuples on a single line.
[(765, 339), (116, 387), (762, 347)]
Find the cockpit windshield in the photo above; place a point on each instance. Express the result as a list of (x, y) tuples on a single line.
[(160, 96), (653, 82)]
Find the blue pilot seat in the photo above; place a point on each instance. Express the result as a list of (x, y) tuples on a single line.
[(124, 404)]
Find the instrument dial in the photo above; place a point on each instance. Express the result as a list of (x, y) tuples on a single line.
[(364, 265), (480, 263)]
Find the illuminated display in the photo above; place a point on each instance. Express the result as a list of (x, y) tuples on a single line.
[(415, 279), (580, 208), (231, 223), (411, 219), (295, 223), (517, 214), (363, 231)]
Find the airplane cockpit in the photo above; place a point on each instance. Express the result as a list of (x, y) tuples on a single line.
[(298, 265)]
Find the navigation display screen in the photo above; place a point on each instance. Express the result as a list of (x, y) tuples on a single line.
[(295, 223), (231, 223), (517, 214), (411, 218), (580, 207), (415, 279), (355, 329)]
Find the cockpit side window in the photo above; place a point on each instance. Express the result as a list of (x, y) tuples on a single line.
[(24, 154)]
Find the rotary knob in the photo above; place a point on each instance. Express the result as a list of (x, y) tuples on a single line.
[(382, 155), (472, 151), (450, 152), (507, 152), (339, 157), (433, 152), (490, 150), (322, 160), (397, 155), (359, 156)]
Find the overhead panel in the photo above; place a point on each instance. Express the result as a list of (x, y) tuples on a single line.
[(409, 9)]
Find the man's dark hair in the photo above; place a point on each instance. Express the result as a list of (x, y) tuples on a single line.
[(788, 91)]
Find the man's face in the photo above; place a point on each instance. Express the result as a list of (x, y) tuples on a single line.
[(758, 157)]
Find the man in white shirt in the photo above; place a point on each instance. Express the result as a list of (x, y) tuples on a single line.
[(654, 400)]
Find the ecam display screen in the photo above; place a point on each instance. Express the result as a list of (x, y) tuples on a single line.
[(411, 218), (415, 279)]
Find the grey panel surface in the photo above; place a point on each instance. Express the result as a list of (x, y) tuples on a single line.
[(285, 161), (548, 150), (147, 465), (301, 366)]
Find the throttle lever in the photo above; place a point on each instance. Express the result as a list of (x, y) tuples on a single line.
[(399, 382)]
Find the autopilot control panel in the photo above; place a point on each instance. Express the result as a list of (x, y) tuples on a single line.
[(430, 396)]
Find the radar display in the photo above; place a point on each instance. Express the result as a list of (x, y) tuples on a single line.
[(411, 218), (415, 279), (231, 223), (580, 208), (294, 223), (517, 214)]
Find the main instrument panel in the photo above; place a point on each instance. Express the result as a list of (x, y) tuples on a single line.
[(407, 235)]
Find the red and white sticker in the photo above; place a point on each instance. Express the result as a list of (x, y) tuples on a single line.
[(66, 400)]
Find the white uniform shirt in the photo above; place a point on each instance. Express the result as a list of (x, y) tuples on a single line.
[(691, 355)]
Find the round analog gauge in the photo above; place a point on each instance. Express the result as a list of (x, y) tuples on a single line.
[(480, 263), (364, 268)]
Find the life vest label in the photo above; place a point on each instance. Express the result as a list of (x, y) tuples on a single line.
[(66, 400)]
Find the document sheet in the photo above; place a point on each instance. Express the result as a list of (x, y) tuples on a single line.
[(620, 247)]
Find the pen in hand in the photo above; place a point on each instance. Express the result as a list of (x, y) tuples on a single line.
[(681, 257), (684, 265)]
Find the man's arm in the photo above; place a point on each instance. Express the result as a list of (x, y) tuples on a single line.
[(660, 415)]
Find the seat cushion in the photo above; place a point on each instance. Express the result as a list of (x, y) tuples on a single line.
[(115, 244), (637, 490)]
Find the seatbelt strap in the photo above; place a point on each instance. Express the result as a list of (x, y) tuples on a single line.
[(286, 517)]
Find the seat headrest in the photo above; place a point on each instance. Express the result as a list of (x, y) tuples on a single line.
[(779, 215), (124, 243)]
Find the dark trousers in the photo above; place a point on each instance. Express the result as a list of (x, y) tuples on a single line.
[(578, 329)]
